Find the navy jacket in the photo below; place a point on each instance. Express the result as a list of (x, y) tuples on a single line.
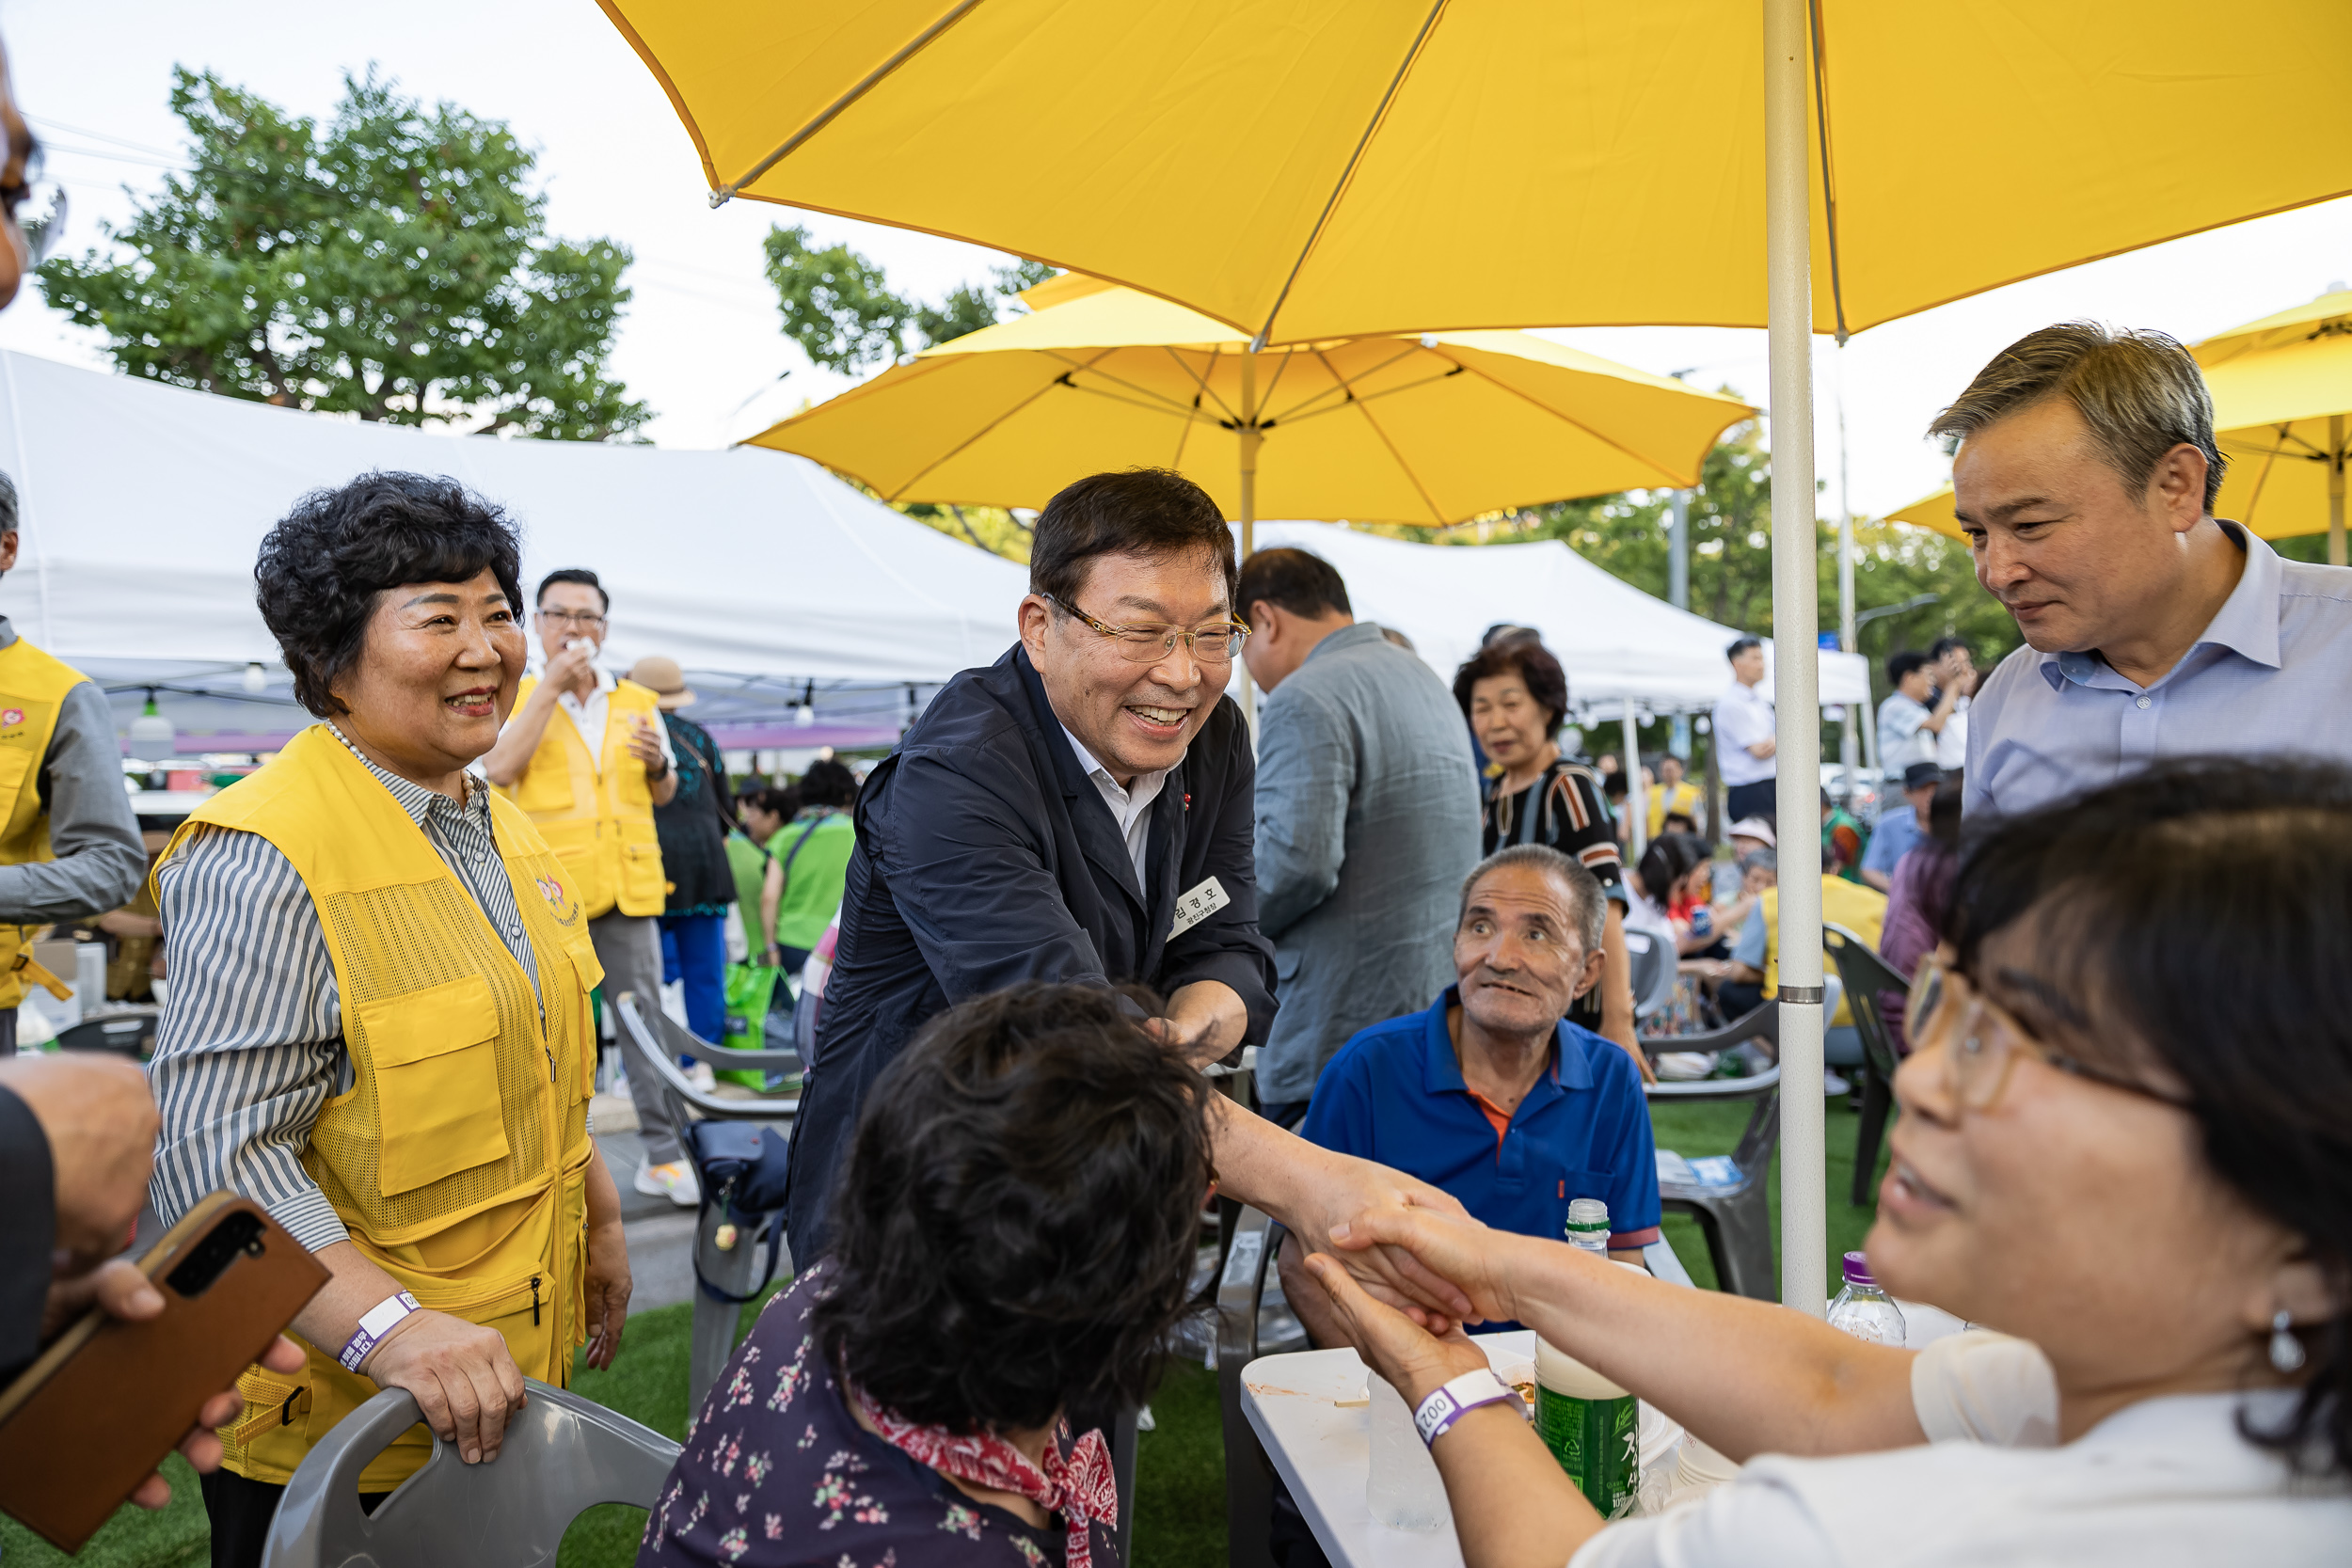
[(986, 857)]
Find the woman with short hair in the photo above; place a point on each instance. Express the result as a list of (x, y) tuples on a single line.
[(378, 1024), (2125, 1153), (1012, 1240), (1515, 697)]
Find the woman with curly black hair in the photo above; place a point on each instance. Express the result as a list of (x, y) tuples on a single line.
[(1013, 1237), (378, 1023)]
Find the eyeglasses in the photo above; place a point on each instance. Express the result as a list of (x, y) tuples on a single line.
[(580, 618), (1981, 1040), (1219, 642)]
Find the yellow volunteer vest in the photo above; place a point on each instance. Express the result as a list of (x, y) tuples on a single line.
[(596, 812), (458, 1158), (1859, 909), (32, 688)]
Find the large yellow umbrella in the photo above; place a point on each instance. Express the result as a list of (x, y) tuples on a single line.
[(1306, 169), (2283, 411), (1425, 429)]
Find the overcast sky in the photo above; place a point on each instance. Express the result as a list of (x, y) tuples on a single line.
[(702, 342)]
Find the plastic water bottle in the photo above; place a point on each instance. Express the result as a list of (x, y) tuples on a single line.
[(1403, 1488), (1864, 1310), (1592, 1426)]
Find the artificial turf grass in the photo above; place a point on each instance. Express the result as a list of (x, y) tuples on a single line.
[(1180, 1505)]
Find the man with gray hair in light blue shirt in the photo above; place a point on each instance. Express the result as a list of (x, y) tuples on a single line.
[(2085, 481), (1367, 820)]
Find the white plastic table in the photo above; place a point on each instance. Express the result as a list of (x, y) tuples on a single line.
[(1323, 1448)]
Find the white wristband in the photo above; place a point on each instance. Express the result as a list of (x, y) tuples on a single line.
[(374, 1324), (1447, 1405)]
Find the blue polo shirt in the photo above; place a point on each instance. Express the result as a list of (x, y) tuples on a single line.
[(1395, 1094)]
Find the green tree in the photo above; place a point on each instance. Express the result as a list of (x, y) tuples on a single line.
[(393, 265), (840, 309)]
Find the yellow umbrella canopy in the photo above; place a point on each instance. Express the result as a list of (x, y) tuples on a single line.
[(1306, 169), (2282, 410), (1421, 429), (2283, 392)]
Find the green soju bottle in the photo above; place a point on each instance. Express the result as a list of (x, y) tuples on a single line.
[(1591, 1425)]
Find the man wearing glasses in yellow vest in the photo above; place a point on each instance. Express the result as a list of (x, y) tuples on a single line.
[(587, 756), (70, 847)]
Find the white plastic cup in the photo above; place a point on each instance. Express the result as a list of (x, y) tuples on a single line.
[(1404, 1488)]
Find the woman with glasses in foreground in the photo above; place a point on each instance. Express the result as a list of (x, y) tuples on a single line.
[(2127, 1141)]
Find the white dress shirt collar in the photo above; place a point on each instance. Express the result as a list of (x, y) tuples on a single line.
[(1130, 805)]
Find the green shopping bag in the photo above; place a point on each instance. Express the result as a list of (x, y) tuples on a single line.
[(749, 989)]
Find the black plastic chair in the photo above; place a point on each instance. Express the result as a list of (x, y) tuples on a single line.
[(1249, 1473), (1735, 1216), (1868, 976)]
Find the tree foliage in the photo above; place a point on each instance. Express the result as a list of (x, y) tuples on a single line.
[(391, 264), (840, 308), (1731, 558)]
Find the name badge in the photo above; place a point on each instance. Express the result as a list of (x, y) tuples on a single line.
[(1198, 905)]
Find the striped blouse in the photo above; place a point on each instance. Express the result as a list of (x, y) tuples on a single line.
[(250, 1044)]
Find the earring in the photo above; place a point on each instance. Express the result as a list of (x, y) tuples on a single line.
[(2286, 1351)]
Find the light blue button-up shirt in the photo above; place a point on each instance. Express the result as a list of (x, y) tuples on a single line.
[(2271, 675)]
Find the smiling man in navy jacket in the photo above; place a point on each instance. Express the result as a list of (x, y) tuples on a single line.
[(1081, 810)]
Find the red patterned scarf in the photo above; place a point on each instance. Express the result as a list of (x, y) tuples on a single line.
[(1078, 1484)]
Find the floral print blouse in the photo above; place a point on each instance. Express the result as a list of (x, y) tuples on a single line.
[(775, 1474)]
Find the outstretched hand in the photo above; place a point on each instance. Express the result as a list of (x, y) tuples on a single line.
[(1435, 1244), (1346, 1204), (1414, 1361)]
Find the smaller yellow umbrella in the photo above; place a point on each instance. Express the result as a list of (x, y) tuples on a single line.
[(1428, 429), (2283, 390), (2282, 410)]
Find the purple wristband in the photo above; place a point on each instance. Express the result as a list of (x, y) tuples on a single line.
[(1466, 1393), (374, 1325)]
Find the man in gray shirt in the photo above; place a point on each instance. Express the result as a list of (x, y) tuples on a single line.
[(72, 849), (1367, 807)]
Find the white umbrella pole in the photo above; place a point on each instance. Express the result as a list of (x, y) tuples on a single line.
[(1796, 685), (2335, 489), (1636, 796), (1249, 439)]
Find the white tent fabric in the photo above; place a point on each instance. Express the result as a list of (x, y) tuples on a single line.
[(1614, 641), (142, 506)]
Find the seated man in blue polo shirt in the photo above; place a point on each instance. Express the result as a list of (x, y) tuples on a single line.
[(1491, 1094)]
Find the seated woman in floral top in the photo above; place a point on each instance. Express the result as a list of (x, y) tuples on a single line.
[(1013, 1236)]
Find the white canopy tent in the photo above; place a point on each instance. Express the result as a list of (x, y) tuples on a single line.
[(142, 506), (765, 577), (1614, 641)]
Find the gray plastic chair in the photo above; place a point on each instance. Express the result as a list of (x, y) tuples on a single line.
[(1735, 1218), (660, 1038), (563, 1454)]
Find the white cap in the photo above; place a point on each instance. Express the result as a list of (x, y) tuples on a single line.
[(1756, 827)]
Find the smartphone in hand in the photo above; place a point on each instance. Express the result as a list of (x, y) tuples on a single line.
[(102, 1406)]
